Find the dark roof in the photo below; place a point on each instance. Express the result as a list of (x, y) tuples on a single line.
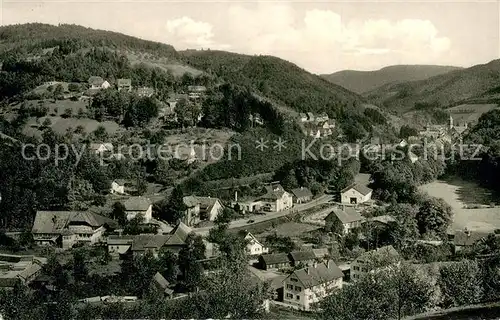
[(320, 253), (346, 215), (321, 273), (96, 80), (137, 204), (162, 283), (364, 190), (468, 238), (302, 255), (179, 235), (302, 192), (274, 191), (275, 258), (56, 221)]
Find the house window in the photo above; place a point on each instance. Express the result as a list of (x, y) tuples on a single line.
[(297, 297), (299, 289), (289, 287), (294, 280), (289, 296)]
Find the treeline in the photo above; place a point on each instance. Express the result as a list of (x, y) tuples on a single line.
[(25, 38), (485, 167)]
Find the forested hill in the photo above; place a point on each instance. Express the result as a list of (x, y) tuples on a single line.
[(479, 83), (38, 38), (364, 81), (277, 79)]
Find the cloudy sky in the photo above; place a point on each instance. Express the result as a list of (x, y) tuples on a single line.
[(321, 37)]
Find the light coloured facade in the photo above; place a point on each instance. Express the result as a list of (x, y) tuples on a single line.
[(310, 285), (356, 194), (135, 206), (373, 260), (254, 247)]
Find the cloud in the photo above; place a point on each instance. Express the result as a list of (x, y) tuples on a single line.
[(190, 33), (318, 40)]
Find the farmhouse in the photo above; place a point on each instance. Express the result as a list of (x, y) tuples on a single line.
[(100, 148), (355, 194), (276, 198), (302, 195), (138, 205), (196, 91), (321, 253), (201, 209), (124, 84), (66, 228), (467, 238), (373, 260), (301, 257), (163, 285), (15, 269), (97, 83), (310, 285), (343, 220), (254, 246), (118, 186), (303, 117), (274, 261)]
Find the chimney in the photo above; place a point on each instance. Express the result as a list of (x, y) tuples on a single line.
[(307, 270), (328, 264), (236, 196)]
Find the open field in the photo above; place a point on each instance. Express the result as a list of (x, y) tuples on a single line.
[(290, 229), (469, 112), (58, 107), (459, 194), (62, 125)]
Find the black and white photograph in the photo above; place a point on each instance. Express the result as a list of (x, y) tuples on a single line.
[(256, 159)]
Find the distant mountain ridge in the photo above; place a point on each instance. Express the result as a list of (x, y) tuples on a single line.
[(477, 84), (364, 81)]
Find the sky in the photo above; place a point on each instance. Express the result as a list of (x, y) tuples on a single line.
[(319, 36)]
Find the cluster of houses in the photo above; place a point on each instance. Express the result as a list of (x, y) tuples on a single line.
[(97, 83), (19, 269), (446, 133), (317, 126), (302, 278)]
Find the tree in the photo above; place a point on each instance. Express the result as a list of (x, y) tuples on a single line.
[(101, 134), (73, 87), (434, 216), (80, 271), (68, 112), (168, 264), (119, 213), (80, 114), (406, 228), (133, 227), (406, 131), (46, 123), (225, 216), (460, 283), (58, 91), (81, 194), (189, 262), (174, 210)]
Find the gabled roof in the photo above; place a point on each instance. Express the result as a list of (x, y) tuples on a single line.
[(274, 191), (179, 234), (96, 146), (162, 283), (275, 258), (97, 81), (385, 219), (57, 221), (321, 273), (303, 115), (205, 202), (383, 252), (302, 192), (124, 82), (468, 238), (137, 204), (346, 215), (302, 255), (250, 237), (320, 253), (149, 241), (364, 190)]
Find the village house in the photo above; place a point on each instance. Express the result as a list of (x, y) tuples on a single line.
[(124, 84), (18, 269), (373, 260), (201, 209), (276, 198), (145, 92), (66, 228), (254, 246), (305, 287), (310, 117), (98, 83), (467, 238), (321, 253), (163, 286), (118, 186), (196, 92), (355, 194), (138, 205), (302, 195), (303, 117), (304, 258), (100, 148), (343, 220), (323, 117), (119, 245), (273, 261)]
